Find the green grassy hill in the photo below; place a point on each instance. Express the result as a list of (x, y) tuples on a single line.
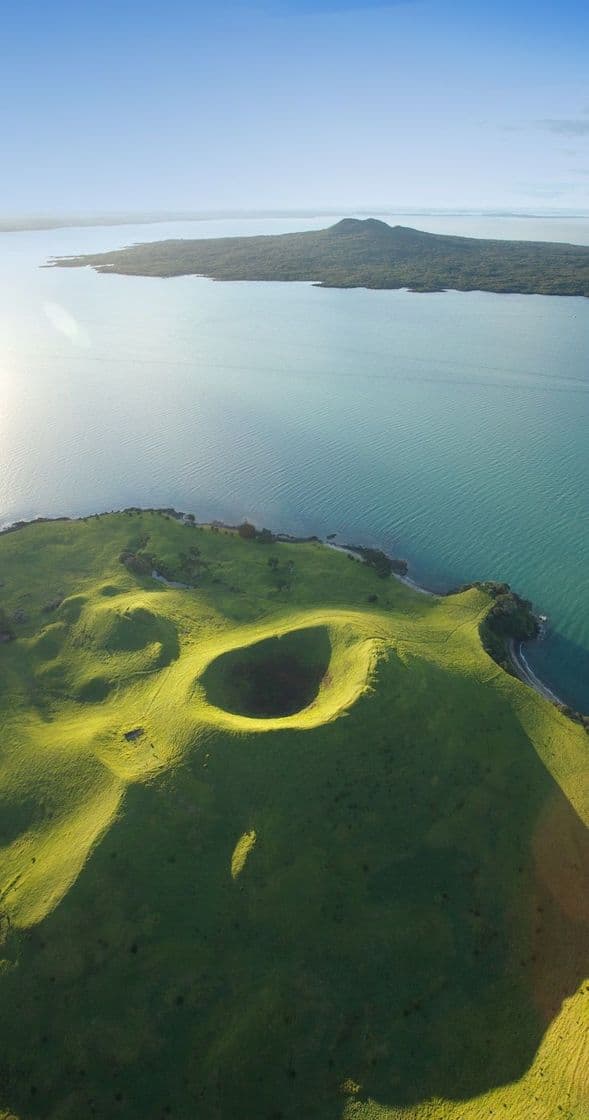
[(358, 253), (271, 849)]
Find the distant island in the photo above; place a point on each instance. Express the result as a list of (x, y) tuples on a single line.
[(361, 253)]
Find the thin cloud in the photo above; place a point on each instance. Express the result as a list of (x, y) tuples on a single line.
[(560, 126), (565, 126)]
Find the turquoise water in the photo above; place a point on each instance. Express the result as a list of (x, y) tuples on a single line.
[(450, 428)]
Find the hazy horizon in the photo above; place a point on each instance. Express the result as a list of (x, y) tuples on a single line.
[(420, 218), (170, 213)]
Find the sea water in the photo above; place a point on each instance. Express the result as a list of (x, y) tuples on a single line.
[(449, 428)]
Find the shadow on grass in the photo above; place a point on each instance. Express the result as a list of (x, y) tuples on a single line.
[(275, 677), (411, 918), (135, 629)]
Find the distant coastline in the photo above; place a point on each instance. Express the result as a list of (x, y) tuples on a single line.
[(29, 223), (518, 662)]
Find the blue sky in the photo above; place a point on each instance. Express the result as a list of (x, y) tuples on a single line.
[(277, 104)]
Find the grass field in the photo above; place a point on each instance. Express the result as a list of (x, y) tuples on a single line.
[(273, 850)]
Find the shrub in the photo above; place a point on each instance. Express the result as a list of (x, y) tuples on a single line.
[(6, 630), (247, 531), (139, 565)]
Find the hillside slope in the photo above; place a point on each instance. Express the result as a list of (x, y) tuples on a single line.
[(273, 847)]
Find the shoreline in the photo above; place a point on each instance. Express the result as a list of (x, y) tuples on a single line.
[(349, 550), (528, 676), (522, 670)]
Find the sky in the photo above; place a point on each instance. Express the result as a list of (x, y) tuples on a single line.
[(302, 104)]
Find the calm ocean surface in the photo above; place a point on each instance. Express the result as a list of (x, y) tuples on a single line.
[(451, 428)]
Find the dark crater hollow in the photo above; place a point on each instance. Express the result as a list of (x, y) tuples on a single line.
[(272, 678)]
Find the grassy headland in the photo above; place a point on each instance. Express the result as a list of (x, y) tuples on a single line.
[(283, 843), (357, 253)]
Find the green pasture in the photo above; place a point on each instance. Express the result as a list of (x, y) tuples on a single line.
[(280, 844)]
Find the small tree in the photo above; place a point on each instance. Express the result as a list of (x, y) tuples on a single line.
[(247, 531)]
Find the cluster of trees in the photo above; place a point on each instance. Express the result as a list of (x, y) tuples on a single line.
[(137, 563), (383, 565), (248, 532), (189, 565), (511, 618), (282, 573)]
